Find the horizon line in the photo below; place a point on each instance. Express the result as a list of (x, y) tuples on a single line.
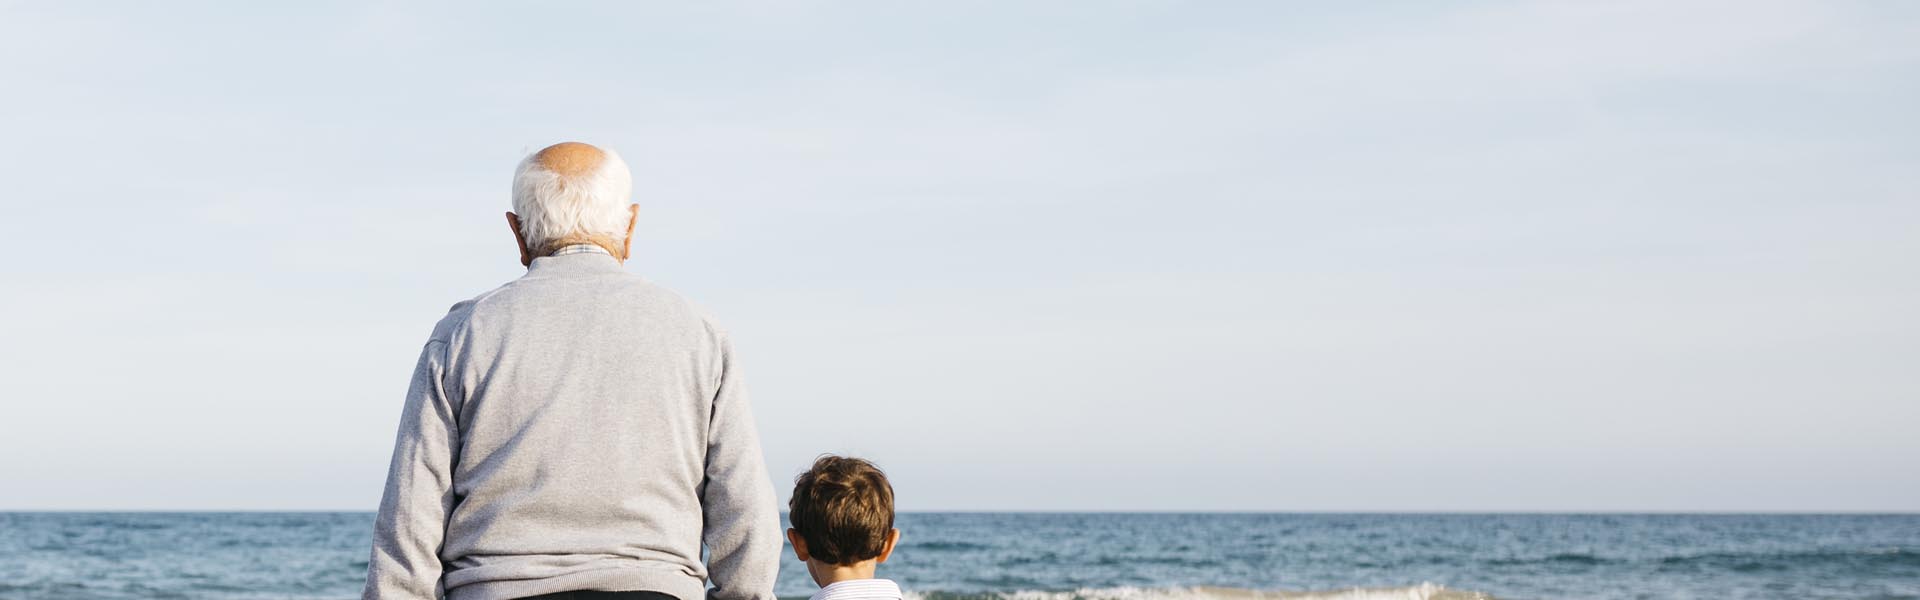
[(1826, 512)]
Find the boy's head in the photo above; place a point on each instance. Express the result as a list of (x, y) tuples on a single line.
[(842, 514)]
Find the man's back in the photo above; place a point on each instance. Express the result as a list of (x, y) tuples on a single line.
[(594, 431)]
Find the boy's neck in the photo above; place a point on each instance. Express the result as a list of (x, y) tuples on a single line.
[(828, 574)]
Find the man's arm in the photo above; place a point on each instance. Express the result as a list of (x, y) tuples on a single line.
[(413, 511), (742, 525)]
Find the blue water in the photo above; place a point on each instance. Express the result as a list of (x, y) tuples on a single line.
[(1031, 556)]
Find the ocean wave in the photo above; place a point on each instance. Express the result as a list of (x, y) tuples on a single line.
[(947, 546), (1424, 591), (1567, 558), (1764, 561), (1736, 561)]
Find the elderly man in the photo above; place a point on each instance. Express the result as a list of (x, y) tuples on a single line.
[(579, 431)]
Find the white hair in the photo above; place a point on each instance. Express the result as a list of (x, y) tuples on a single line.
[(558, 209)]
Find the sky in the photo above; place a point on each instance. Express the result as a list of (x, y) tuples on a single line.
[(1133, 255)]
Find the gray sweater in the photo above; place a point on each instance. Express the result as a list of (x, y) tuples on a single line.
[(577, 428)]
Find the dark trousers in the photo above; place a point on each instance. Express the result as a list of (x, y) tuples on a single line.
[(600, 595)]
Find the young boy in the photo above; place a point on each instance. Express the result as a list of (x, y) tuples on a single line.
[(842, 514)]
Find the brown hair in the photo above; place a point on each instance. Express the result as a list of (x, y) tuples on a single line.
[(843, 509)]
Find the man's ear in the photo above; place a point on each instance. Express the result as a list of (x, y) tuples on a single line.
[(799, 544), (513, 222), (633, 218), (893, 538)]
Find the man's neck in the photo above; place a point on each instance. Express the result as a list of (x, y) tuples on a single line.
[(611, 249)]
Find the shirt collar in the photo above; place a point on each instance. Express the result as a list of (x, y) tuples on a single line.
[(859, 589), (580, 249), (577, 258)]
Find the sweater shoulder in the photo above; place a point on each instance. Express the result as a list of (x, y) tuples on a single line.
[(458, 314), (693, 311), (644, 291)]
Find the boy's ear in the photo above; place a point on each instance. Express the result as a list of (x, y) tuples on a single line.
[(893, 538), (800, 544)]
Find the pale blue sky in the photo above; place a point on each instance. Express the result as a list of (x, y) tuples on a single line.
[(1102, 255)]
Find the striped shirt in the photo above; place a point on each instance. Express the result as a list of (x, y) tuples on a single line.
[(580, 249), (859, 589)]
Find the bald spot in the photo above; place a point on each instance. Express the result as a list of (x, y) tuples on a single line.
[(570, 158)]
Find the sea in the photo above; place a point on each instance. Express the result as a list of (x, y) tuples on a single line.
[(1074, 556)]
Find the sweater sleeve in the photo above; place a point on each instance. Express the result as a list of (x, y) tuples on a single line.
[(408, 532), (741, 523)]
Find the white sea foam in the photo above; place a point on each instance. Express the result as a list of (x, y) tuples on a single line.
[(1424, 591)]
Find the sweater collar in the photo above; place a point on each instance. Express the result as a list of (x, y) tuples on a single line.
[(576, 258)]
